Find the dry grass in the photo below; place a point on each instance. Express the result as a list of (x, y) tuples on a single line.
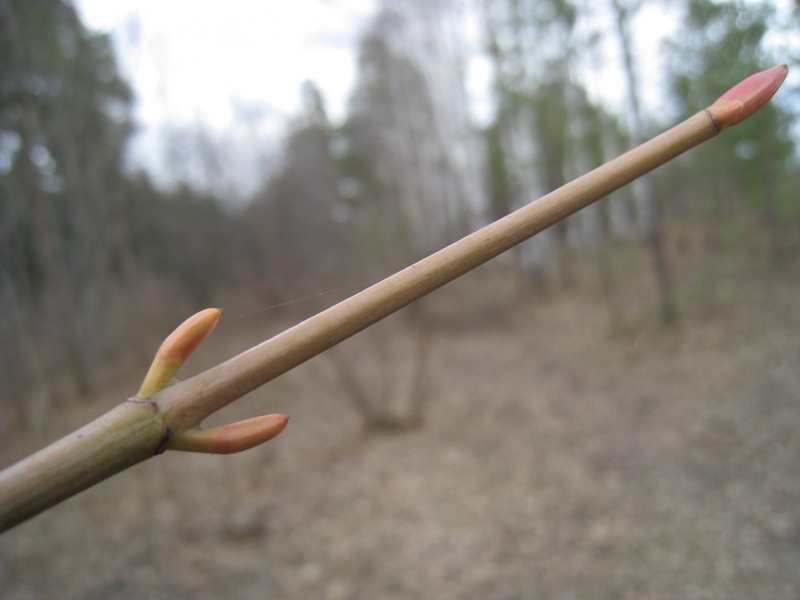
[(556, 460)]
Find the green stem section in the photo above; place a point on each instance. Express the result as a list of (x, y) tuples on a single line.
[(128, 434)]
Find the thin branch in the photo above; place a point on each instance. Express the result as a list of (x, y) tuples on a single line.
[(191, 401), (167, 415)]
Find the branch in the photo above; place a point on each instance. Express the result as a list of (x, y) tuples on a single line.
[(166, 414)]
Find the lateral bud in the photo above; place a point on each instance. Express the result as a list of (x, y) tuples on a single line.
[(229, 439), (174, 351)]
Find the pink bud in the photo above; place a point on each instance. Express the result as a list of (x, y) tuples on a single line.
[(746, 97)]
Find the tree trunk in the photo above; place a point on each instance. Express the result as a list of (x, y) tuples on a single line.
[(647, 199)]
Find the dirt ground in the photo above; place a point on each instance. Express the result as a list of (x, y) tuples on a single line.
[(557, 459)]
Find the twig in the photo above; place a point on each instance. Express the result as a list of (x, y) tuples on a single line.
[(167, 414)]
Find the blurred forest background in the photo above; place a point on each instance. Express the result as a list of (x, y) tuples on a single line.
[(96, 259)]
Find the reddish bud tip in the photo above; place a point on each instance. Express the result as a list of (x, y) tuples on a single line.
[(176, 349), (232, 438), (745, 98), (189, 335)]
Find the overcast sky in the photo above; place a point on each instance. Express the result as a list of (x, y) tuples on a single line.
[(224, 64), (191, 59), (209, 62)]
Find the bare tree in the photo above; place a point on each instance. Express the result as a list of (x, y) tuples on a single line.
[(411, 153), (645, 190)]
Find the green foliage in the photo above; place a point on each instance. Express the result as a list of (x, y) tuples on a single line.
[(59, 91), (64, 116), (501, 199), (546, 129), (78, 237)]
